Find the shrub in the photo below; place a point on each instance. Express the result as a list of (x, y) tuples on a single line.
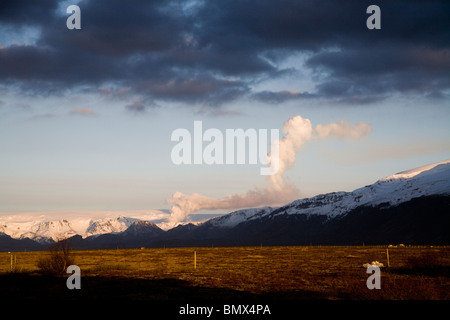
[(57, 260)]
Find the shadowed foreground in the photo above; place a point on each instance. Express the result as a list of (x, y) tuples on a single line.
[(249, 273)]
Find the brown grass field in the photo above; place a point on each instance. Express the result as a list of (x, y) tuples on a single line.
[(287, 273)]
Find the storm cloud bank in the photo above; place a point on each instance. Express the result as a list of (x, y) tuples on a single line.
[(214, 52)]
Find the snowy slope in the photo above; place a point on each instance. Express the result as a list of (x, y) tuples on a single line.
[(44, 227), (392, 190), (234, 218), (413, 172), (432, 179), (55, 230), (108, 225)]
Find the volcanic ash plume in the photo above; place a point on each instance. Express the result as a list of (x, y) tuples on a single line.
[(343, 130), (297, 132), (185, 204)]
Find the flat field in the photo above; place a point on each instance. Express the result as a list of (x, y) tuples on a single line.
[(284, 273)]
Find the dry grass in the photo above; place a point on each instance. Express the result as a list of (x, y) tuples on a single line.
[(329, 272)]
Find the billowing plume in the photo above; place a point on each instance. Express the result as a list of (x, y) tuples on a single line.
[(185, 204), (297, 132), (343, 130)]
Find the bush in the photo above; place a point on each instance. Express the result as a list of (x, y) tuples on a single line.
[(58, 259)]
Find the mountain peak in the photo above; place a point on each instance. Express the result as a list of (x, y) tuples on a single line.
[(416, 171), (141, 227)]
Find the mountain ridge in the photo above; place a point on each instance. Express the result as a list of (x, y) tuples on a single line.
[(431, 183)]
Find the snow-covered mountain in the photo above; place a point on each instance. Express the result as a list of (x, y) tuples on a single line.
[(303, 216), (45, 228), (432, 179), (108, 225), (54, 230), (428, 180), (234, 218)]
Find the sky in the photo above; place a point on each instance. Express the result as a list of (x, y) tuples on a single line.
[(86, 115)]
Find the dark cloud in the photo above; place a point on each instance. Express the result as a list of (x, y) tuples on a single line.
[(114, 29), (276, 97), (377, 72), (138, 105), (27, 12), (211, 52), (410, 54), (191, 88)]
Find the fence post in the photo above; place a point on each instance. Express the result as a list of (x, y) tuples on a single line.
[(13, 265), (387, 254)]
